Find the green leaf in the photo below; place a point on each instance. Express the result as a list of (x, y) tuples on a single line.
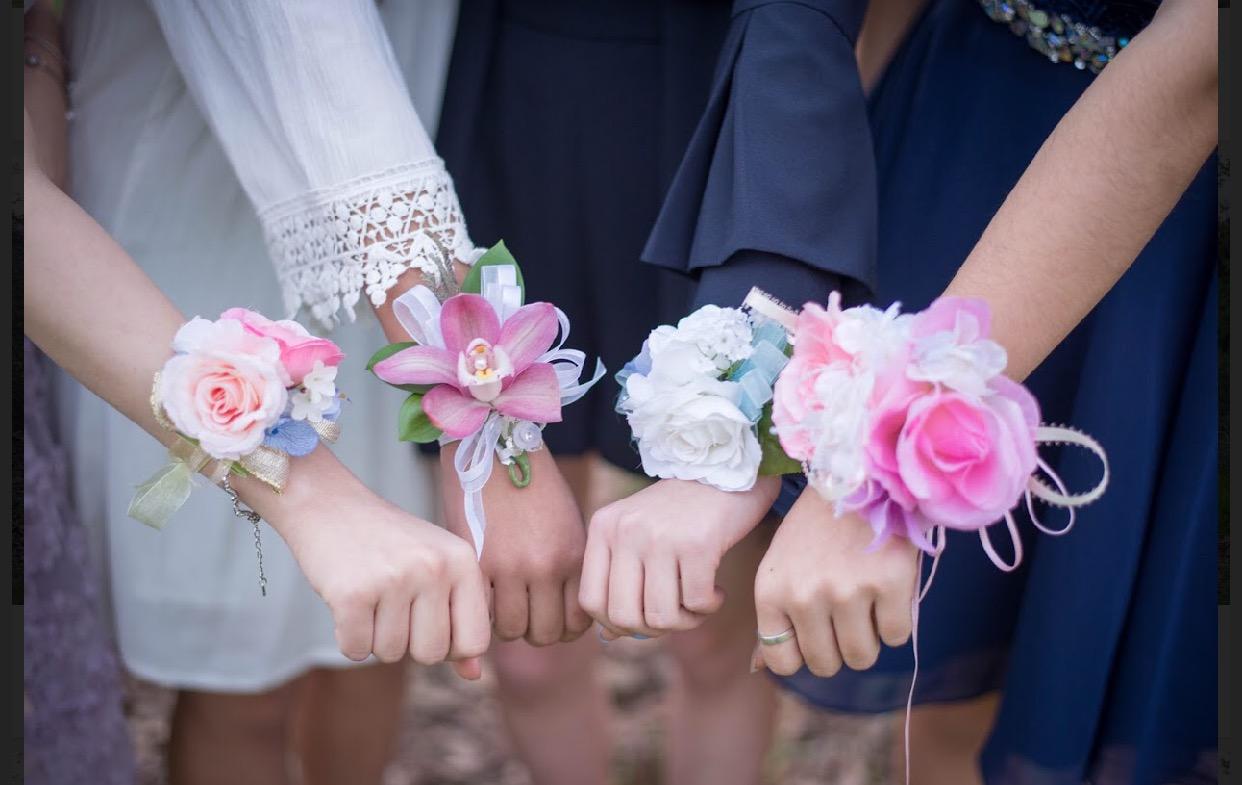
[(388, 351), (497, 254), (413, 424), (774, 460)]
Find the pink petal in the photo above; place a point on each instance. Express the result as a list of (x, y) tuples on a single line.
[(465, 317), (453, 412), (418, 365), (943, 314), (534, 395), (529, 333)]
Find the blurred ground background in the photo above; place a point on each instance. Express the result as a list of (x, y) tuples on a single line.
[(452, 734)]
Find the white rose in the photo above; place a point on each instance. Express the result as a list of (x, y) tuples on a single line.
[(692, 430)]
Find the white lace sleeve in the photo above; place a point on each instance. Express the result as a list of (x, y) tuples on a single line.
[(309, 103)]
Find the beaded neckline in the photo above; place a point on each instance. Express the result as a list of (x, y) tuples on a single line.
[(1057, 36)]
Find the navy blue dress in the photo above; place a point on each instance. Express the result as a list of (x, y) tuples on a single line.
[(1104, 643), (562, 124)]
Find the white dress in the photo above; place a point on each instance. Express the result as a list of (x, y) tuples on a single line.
[(188, 119)]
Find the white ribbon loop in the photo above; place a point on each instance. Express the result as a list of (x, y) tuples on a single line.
[(1000, 563), (1059, 434), (500, 288), (418, 311), (473, 463)]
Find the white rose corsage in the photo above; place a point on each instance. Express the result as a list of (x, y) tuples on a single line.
[(698, 397)]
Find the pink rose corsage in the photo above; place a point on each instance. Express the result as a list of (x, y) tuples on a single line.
[(908, 420), (484, 369), (244, 394)]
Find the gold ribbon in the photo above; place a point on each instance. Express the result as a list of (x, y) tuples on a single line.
[(156, 500)]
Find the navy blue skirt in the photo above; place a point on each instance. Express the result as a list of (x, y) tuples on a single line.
[(1104, 643)]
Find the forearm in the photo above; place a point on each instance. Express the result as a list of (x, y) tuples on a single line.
[(94, 312), (1100, 186), (43, 85)]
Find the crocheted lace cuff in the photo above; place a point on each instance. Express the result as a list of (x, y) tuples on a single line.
[(331, 245)]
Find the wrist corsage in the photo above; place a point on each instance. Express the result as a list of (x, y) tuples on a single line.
[(244, 394), (908, 420), (485, 369), (698, 396)]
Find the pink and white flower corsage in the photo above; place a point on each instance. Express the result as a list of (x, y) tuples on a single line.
[(485, 369), (245, 392), (908, 420)]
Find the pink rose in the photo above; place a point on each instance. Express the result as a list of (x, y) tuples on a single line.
[(890, 408), (298, 348), (794, 397), (225, 387), (964, 460)]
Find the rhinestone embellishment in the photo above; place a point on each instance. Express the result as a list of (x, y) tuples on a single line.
[(1056, 36)]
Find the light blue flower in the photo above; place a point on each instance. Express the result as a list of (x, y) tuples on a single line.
[(295, 437)]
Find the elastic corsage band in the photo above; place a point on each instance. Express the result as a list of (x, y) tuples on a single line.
[(698, 398), (244, 394), (485, 369)]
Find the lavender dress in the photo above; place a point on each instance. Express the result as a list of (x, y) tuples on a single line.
[(75, 730)]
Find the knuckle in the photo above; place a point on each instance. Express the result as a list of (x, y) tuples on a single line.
[(895, 633), (473, 648), (840, 593), (661, 620), (698, 603), (350, 598), (806, 598), (431, 566), (604, 520), (824, 667), (544, 637), (625, 620), (859, 657), (509, 629), (388, 655)]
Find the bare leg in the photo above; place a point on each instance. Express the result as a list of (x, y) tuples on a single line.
[(345, 723), (554, 707), (227, 738), (945, 741), (720, 716)]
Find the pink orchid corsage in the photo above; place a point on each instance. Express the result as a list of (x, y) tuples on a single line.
[(484, 369), (908, 420), (244, 394)]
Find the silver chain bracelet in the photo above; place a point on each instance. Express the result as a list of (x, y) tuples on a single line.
[(254, 519)]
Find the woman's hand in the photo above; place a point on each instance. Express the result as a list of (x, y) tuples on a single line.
[(395, 584), (651, 558), (532, 552), (840, 598)]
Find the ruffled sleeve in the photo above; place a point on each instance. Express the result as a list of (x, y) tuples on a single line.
[(778, 180), (308, 101)]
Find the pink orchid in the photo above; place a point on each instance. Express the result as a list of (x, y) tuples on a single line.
[(483, 366)]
